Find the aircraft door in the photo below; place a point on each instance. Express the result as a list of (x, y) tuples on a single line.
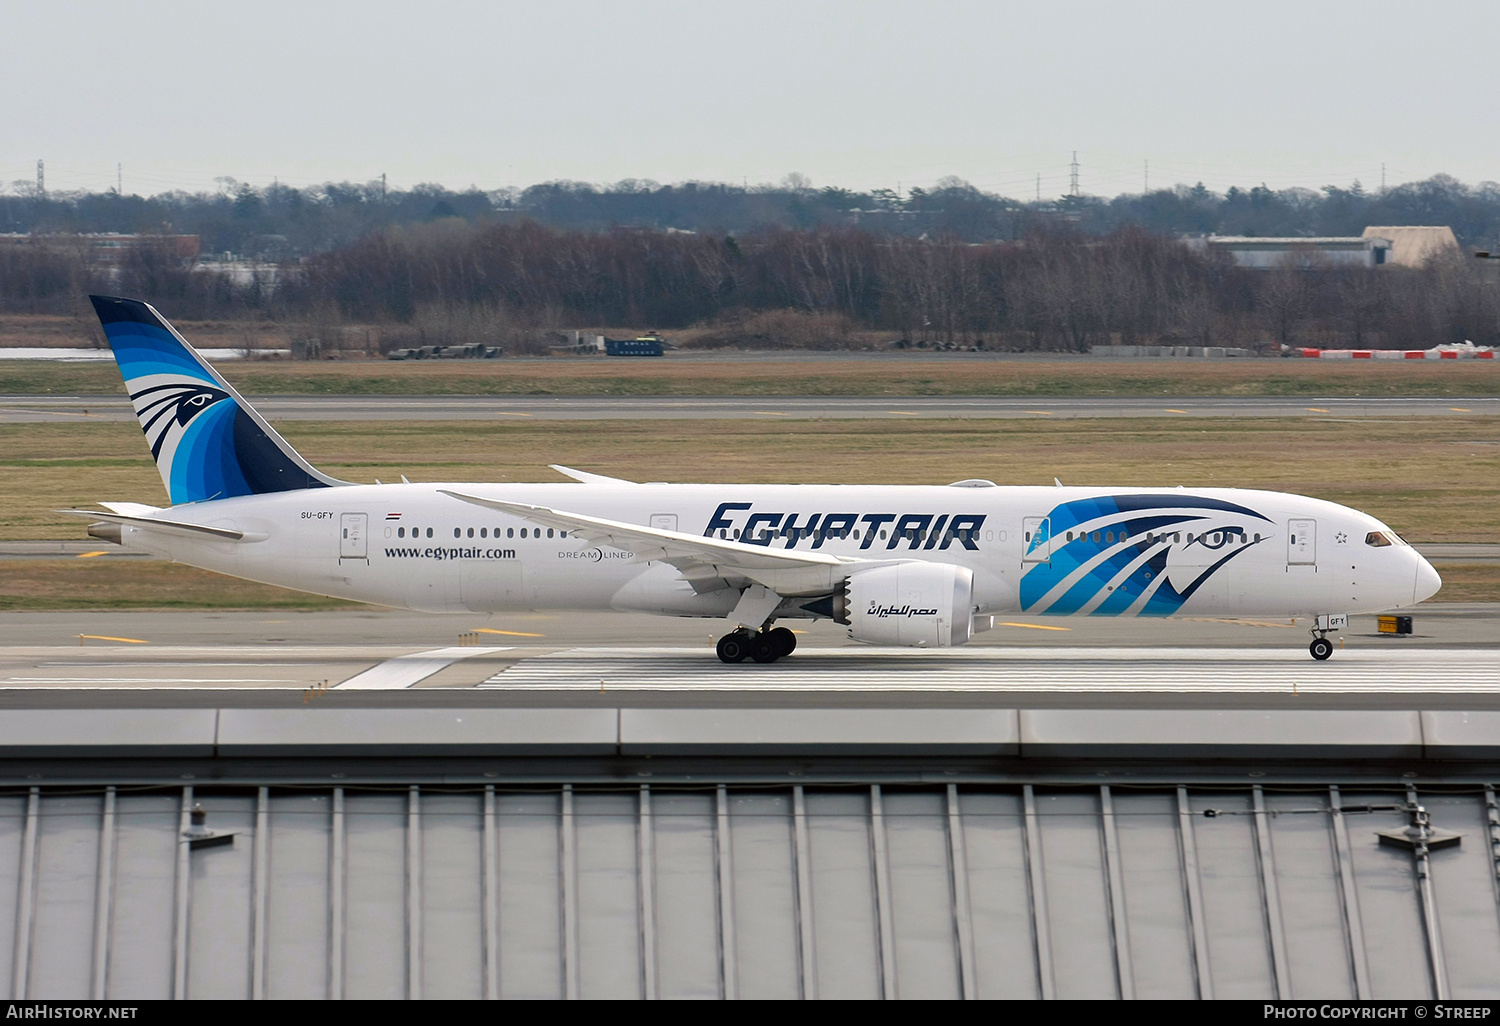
[(664, 521), (1301, 542), (352, 531), (1036, 539)]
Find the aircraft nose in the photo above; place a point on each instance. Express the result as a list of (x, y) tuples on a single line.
[(1428, 581)]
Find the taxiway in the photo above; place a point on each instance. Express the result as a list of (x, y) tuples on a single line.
[(53, 409)]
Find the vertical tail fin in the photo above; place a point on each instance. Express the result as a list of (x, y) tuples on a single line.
[(207, 441)]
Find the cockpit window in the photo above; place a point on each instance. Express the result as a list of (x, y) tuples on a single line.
[(1377, 539)]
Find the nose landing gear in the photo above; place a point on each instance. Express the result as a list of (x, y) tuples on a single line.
[(1321, 648), (762, 646)]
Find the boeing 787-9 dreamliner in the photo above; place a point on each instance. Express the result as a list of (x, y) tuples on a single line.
[(925, 566)]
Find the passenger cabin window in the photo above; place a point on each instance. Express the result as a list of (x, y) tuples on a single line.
[(1377, 539), (510, 532), (429, 532)]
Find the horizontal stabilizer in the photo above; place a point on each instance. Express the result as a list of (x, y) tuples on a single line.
[(154, 523)]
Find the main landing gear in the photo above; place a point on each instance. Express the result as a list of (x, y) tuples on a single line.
[(762, 646)]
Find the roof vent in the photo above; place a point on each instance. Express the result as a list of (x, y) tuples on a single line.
[(198, 835)]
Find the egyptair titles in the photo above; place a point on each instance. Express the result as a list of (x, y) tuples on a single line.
[(922, 531)]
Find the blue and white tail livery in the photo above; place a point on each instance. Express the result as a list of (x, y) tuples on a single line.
[(207, 441), (918, 566)]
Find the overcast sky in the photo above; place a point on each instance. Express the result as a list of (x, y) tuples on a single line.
[(873, 93)]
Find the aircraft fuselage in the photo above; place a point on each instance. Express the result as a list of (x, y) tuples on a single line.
[(1032, 550)]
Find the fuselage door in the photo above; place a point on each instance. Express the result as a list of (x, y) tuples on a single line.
[(352, 535), (1036, 539), (1301, 542), (664, 521)]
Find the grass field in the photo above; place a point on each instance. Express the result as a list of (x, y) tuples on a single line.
[(1432, 479), (898, 375), (139, 584)]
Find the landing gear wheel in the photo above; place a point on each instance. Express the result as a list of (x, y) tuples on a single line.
[(1321, 648), (764, 649), (733, 647), (785, 641)]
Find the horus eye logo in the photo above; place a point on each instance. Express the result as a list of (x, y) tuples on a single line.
[(162, 406), (1220, 537)]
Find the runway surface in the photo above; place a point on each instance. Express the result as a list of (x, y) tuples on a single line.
[(1158, 677), (62, 409), (1439, 624), (1007, 670), (1453, 658)]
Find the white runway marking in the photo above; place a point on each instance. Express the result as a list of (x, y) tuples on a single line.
[(1063, 670), (406, 670)]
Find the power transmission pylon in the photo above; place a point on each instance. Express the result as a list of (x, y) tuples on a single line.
[(41, 181), (1073, 175)]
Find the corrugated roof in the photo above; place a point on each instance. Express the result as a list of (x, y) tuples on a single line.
[(850, 883)]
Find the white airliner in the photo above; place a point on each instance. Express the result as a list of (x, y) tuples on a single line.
[(898, 565)]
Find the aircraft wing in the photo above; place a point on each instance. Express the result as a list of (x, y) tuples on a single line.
[(786, 571)]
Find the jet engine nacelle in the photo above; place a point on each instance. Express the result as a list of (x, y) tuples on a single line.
[(917, 604)]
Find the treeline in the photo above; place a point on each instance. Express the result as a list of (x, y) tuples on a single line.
[(1058, 291), (515, 283), (279, 223)]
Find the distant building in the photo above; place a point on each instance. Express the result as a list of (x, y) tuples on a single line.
[(1414, 245), (106, 248), (1317, 253)]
